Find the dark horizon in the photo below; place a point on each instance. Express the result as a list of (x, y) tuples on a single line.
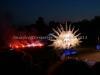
[(23, 11)]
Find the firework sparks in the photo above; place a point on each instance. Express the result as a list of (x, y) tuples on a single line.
[(65, 38), (21, 45), (25, 43)]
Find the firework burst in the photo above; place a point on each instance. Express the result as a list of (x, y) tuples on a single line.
[(65, 38)]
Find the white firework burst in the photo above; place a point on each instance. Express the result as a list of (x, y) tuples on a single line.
[(65, 38)]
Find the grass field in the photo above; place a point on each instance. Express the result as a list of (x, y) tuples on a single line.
[(90, 54)]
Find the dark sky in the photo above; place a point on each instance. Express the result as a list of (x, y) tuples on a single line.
[(27, 11)]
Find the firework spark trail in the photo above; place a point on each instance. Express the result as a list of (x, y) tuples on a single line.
[(65, 38)]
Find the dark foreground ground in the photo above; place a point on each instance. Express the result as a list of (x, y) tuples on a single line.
[(45, 62), (90, 54)]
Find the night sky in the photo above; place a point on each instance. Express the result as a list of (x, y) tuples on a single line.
[(27, 11)]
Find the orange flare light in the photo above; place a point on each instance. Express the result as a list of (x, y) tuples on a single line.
[(16, 44)]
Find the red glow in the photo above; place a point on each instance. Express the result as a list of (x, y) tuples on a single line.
[(16, 44)]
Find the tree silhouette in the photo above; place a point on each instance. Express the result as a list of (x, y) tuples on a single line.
[(6, 29), (41, 26)]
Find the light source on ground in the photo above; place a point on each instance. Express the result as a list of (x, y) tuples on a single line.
[(70, 52), (19, 45), (64, 39), (98, 47)]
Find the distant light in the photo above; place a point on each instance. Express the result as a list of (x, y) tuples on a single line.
[(98, 46), (20, 45), (69, 52), (23, 46), (28, 45), (16, 46), (11, 49)]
